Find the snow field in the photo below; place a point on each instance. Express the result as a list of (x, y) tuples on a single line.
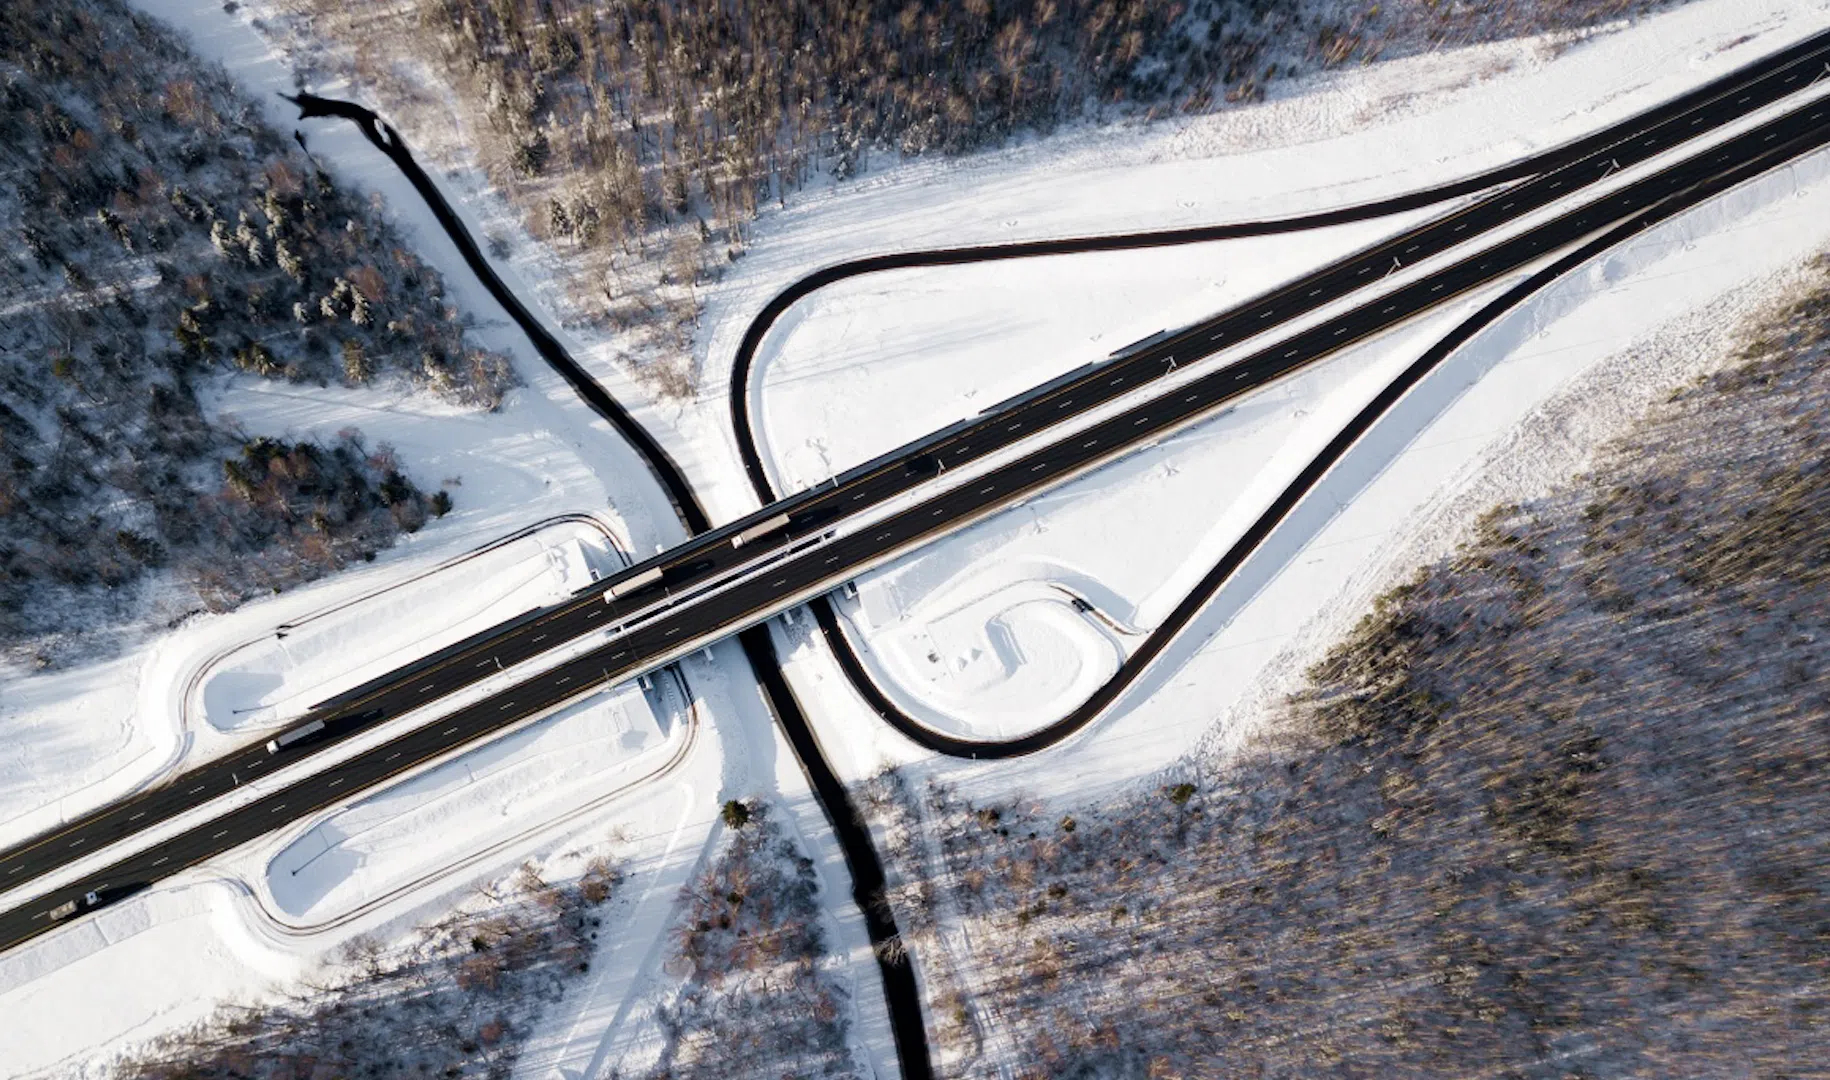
[(125, 972), (1022, 653), (269, 681), (505, 470), (360, 855), (48, 760), (603, 1018), (1514, 411), (871, 363)]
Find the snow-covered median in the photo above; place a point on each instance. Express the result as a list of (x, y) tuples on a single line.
[(996, 653), (464, 810), (278, 676)]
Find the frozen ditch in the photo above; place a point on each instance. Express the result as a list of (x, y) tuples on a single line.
[(462, 811), (267, 681)]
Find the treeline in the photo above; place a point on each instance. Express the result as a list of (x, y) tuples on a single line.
[(642, 136), (299, 510), (1555, 808), (664, 108), (727, 101), (159, 234)]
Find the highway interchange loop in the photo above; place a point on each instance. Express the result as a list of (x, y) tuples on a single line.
[(1599, 147), (710, 585), (418, 684)]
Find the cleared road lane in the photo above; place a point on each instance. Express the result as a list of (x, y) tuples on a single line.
[(684, 627)]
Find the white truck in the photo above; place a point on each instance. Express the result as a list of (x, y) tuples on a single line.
[(628, 585), (71, 907), (759, 530), (297, 734)]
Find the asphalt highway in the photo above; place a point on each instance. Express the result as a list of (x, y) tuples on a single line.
[(1799, 59), (664, 632)]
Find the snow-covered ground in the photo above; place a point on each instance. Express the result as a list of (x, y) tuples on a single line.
[(374, 848), (873, 362), (47, 757), (266, 682), (1513, 411), (1516, 409)]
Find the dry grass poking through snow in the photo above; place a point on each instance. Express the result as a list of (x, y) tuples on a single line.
[(760, 998), (1556, 808), (638, 139), (456, 1001)]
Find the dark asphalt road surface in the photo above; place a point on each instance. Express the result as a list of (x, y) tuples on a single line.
[(824, 565), (1803, 59)]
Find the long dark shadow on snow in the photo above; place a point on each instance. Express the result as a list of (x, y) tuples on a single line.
[(900, 992)]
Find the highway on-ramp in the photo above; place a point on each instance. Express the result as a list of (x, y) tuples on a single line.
[(774, 577)]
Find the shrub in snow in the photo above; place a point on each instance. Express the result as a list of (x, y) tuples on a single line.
[(761, 998), (457, 999)]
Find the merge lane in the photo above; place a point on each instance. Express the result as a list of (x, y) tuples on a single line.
[(124, 819), (754, 598)]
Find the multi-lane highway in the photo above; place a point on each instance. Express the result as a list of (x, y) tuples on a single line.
[(798, 558), (1795, 65)]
